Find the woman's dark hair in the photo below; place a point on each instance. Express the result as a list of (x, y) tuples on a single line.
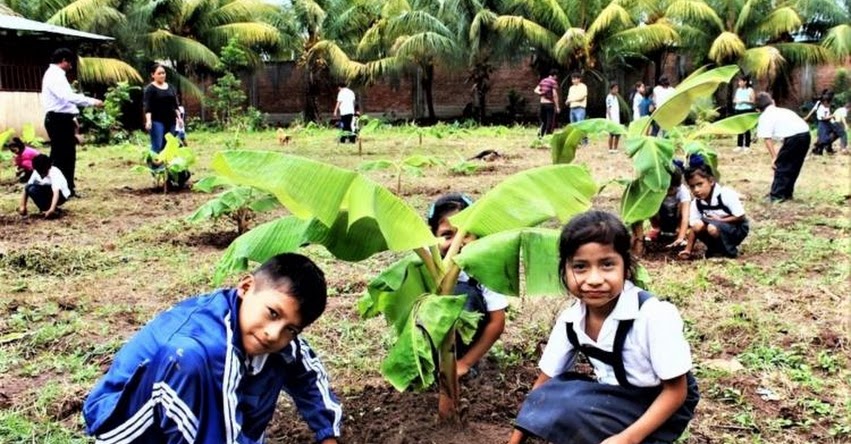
[(448, 203), (298, 277), (702, 170), (156, 66), (16, 142), (595, 227), (746, 79)]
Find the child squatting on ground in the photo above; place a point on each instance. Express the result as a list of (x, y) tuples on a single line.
[(24, 155), (480, 299), (670, 224), (47, 187), (210, 369), (643, 390), (717, 216)]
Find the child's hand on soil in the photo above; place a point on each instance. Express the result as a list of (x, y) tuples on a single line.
[(22, 211), (462, 368), (677, 243)]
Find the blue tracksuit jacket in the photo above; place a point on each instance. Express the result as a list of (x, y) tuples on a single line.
[(185, 378)]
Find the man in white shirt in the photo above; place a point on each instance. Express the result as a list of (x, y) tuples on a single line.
[(781, 123), (47, 188), (60, 103), (345, 108)]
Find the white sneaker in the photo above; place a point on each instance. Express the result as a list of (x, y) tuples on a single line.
[(746, 149), (738, 149)]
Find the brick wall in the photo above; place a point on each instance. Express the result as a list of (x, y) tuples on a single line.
[(279, 90)]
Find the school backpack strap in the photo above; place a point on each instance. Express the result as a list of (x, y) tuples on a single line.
[(701, 207)]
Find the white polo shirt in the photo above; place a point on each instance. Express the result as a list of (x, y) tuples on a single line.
[(780, 123), (54, 178), (346, 97), (493, 300), (655, 348), (729, 197)]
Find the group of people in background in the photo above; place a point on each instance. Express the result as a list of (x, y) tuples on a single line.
[(832, 124)]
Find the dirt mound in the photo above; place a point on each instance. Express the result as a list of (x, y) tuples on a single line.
[(380, 414)]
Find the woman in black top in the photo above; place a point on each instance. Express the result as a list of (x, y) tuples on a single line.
[(161, 108)]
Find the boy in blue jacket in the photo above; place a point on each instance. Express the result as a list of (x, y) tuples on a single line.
[(209, 370)]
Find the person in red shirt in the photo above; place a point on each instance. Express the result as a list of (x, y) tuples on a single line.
[(548, 90)]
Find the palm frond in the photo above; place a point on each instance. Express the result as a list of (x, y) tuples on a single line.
[(826, 12), (163, 44), (240, 11), (838, 42), (726, 47), (5, 10), (395, 8), (518, 28), (78, 13), (643, 38), (483, 21), (550, 14), (103, 71), (185, 86), (696, 12), (310, 13), (798, 54), (611, 19), (574, 41), (780, 21), (763, 62), (413, 22), (248, 34), (373, 39), (423, 45), (341, 66)]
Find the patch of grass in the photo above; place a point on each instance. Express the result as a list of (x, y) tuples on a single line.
[(54, 260), (17, 427)]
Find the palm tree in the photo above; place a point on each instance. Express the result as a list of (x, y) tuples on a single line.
[(763, 39), (586, 35)]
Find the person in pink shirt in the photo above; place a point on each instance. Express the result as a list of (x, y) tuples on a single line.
[(24, 155)]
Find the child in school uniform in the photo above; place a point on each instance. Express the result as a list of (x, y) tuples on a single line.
[(180, 125), (670, 224), (642, 389), (24, 155), (613, 113), (716, 215), (47, 187), (480, 299), (210, 369)]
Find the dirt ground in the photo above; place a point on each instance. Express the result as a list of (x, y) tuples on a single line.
[(72, 290)]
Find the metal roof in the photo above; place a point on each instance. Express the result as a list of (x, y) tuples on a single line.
[(22, 24)]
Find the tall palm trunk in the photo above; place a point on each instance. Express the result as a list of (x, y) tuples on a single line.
[(427, 83)]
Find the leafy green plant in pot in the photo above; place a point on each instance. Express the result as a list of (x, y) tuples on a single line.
[(355, 218)]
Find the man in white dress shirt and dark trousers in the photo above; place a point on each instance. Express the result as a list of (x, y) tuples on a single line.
[(60, 103), (781, 123)]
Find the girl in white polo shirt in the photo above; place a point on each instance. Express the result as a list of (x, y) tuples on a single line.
[(642, 389)]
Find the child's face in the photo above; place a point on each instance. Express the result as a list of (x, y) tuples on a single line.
[(15, 149), (269, 318), (446, 232), (615, 89), (700, 186), (642, 88), (595, 275)]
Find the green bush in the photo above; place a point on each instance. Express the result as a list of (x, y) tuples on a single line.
[(103, 125)]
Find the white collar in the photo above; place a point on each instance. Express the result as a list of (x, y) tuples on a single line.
[(625, 308)]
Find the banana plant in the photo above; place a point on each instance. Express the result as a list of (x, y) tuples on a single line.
[(652, 157), (355, 218), (169, 167), (412, 165), (239, 203)]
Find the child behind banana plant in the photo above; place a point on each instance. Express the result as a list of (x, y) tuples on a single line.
[(480, 299)]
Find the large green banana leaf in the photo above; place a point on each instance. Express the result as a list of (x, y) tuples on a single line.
[(5, 136), (677, 107), (346, 241), (727, 127), (529, 198), (640, 202), (563, 144), (495, 261), (395, 291), (314, 189), (411, 363), (232, 200), (652, 158)]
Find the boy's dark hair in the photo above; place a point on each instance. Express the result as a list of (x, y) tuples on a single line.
[(763, 101), (664, 81), (341, 84), (576, 75), (703, 170), (62, 54), (300, 278), (448, 203), (42, 164), (612, 85), (554, 72), (595, 227)]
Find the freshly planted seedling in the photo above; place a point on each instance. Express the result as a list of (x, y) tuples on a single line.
[(238, 203), (413, 165), (169, 168)]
